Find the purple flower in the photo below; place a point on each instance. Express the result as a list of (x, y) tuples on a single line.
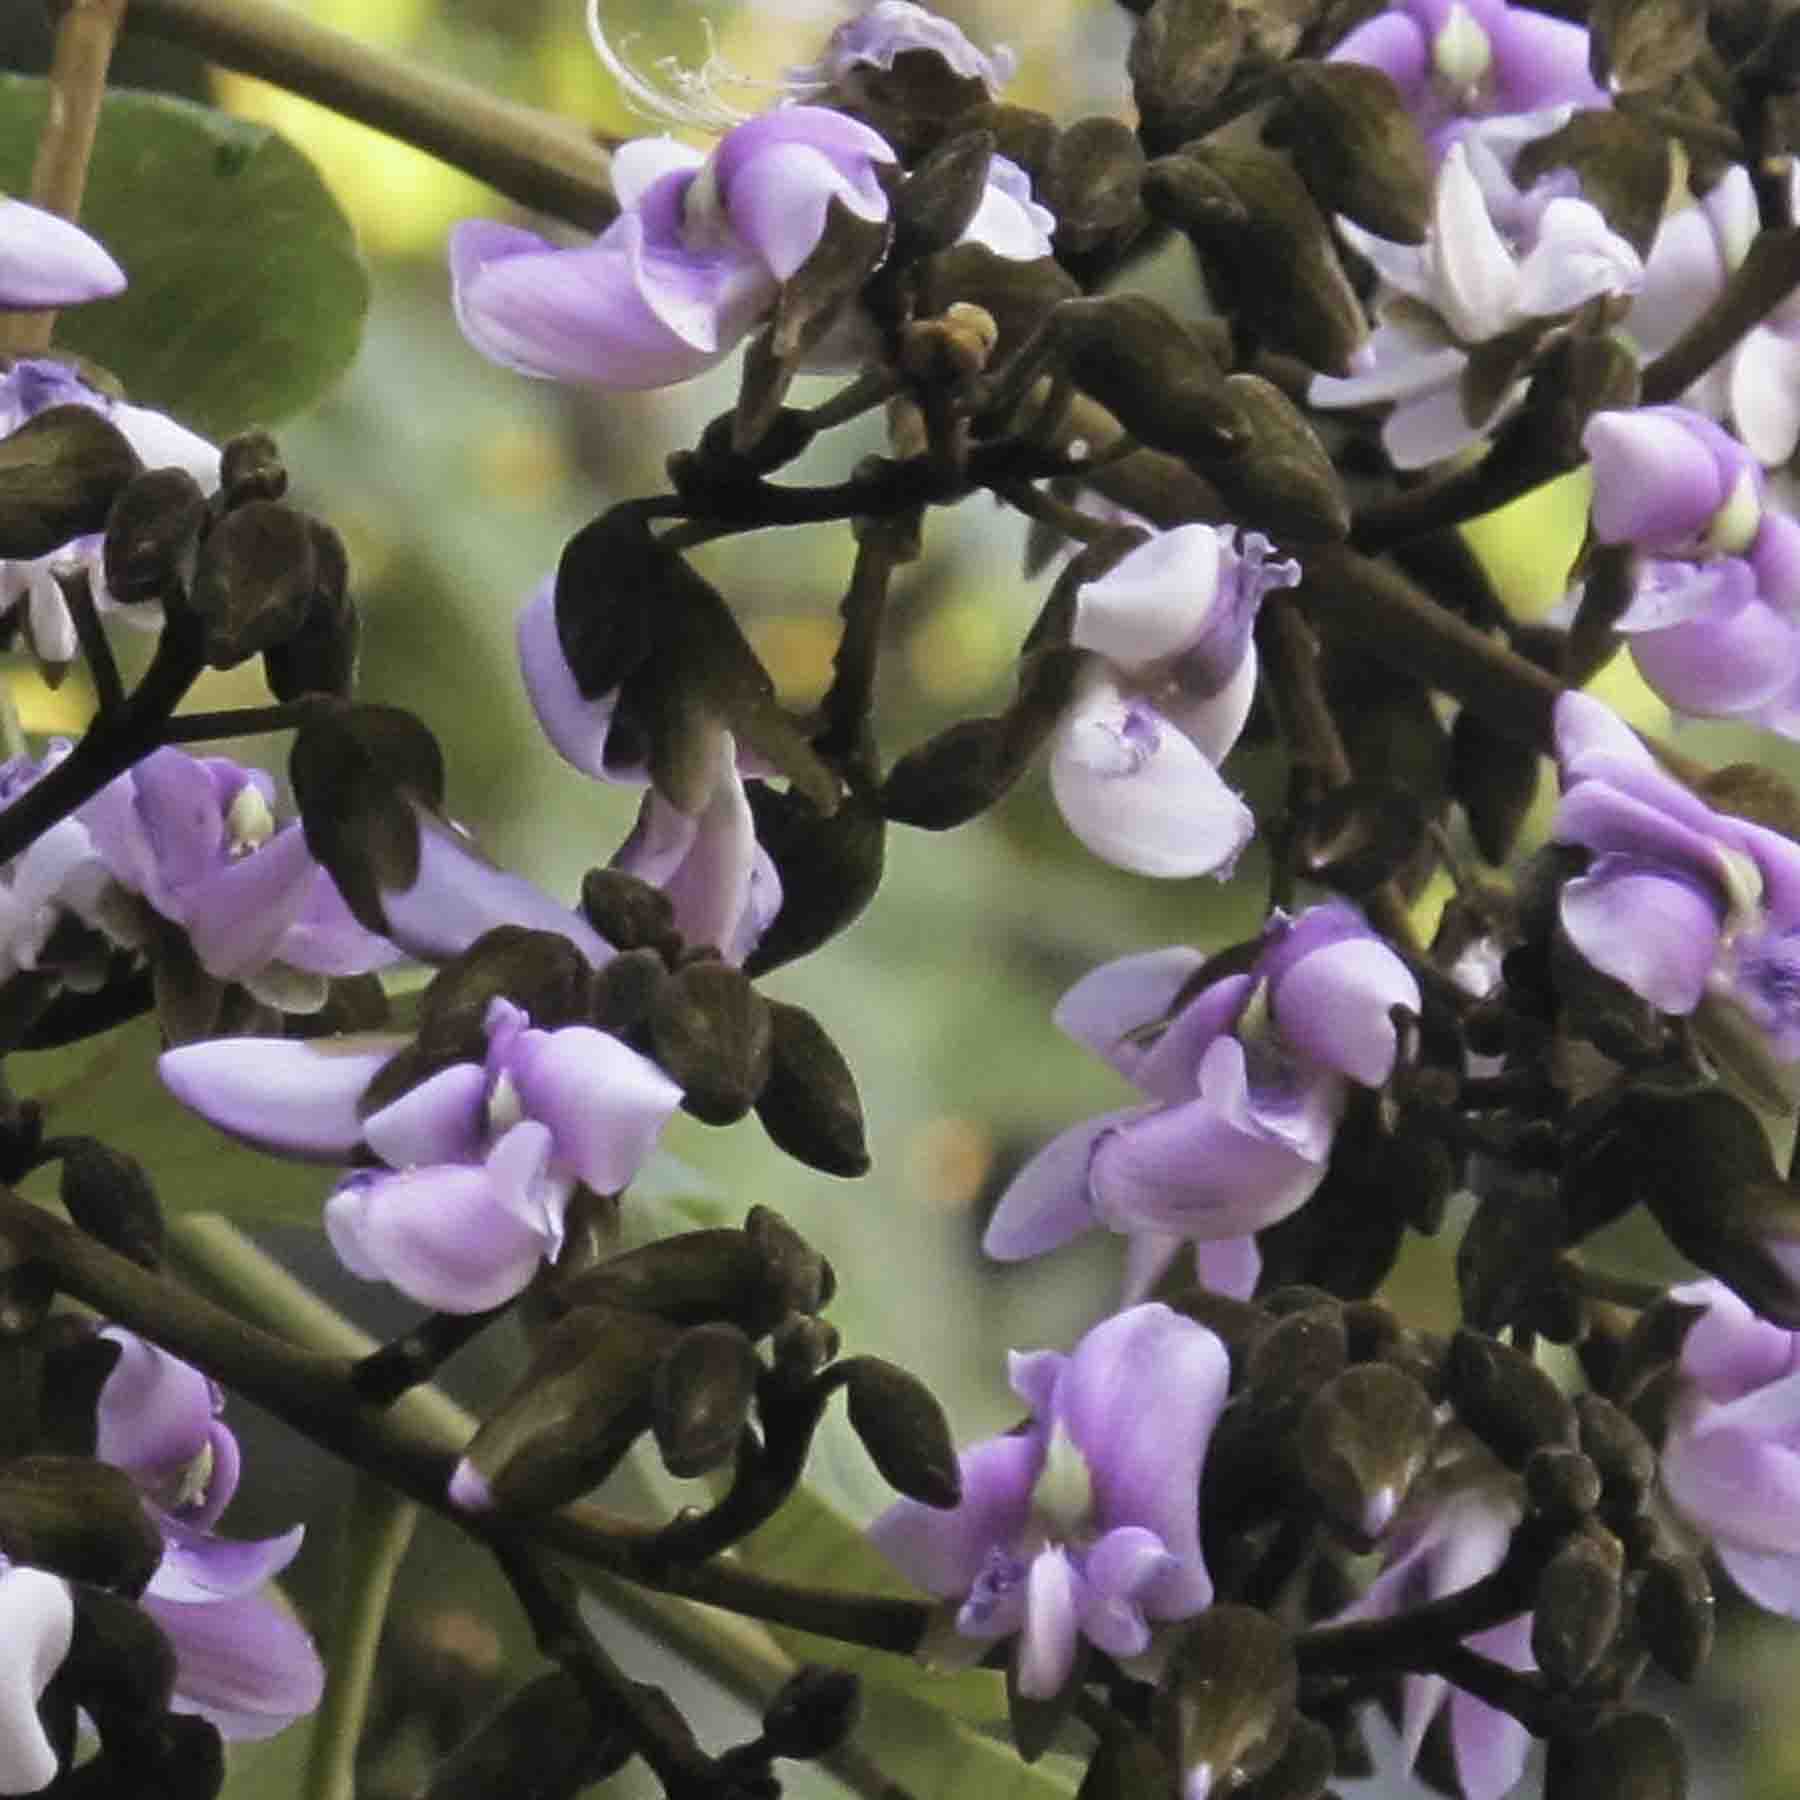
[(1086, 1523), (1731, 1462), (1689, 908), (45, 261), (693, 262), (1461, 59), (37, 1625), (1495, 259), (241, 1658), (1452, 1535), (58, 875), (722, 883), (1162, 697), (1248, 1077), (475, 1165), (1668, 480), (890, 29), (28, 388), (196, 838), (1756, 385)]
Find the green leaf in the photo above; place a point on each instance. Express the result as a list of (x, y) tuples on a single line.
[(107, 1087), (247, 291)]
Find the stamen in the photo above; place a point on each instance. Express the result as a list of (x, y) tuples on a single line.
[(671, 93)]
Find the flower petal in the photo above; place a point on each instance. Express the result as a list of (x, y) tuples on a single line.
[(47, 262), (605, 1104), (441, 1120), (1108, 1007), (942, 1551), (37, 1621), (246, 1664), (1334, 1006), (1046, 1203), (1046, 1655), (1651, 928), (199, 1567)]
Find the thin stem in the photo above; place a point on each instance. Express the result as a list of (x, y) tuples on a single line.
[(239, 721), (78, 594), (534, 158), (84, 46), (408, 1361), (377, 1531), (844, 712)]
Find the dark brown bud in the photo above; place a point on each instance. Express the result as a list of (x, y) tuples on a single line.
[(1225, 1703), (1126, 1766), (1506, 1399), (320, 656), (809, 1106), (1182, 55), (1154, 374), (1303, 1768), (1093, 183), (575, 1412), (153, 536), (1020, 134), (1355, 837), (1303, 1352), (1578, 1607), (801, 1347), (1357, 147), (690, 1279), (541, 1743), (830, 867), (250, 468), (1675, 1612), (78, 1518), (110, 1196), (903, 1429), (629, 913), (359, 773), (120, 1668), (1275, 267), (1504, 1259), (540, 972), (1629, 1756), (1633, 46), (802, 1277), (1621, 1454), (700, 1398), (253, 581), (1364, 1438), (624, 990), (1282, 480), (814, 1712), (1562, 1486), (711, 1030), (935, 203), (1750, 791), (1017, 296), (60, 473), (1623, 164)]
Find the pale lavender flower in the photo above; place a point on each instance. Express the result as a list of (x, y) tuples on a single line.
[(1691, 909), (1162, 697), (691, 265), (196, 838), (59, 874), (1756, 385), (1495, 259), (473, 1168), (724, 887), (1731, 1461), (1086, 1523), (29, 588), (241, 1658), (47, 262), (1009, 221), (1454, 60), (1669, 480), (887, 30), (1248, 1076), (37, 1625), (1452, 1534)]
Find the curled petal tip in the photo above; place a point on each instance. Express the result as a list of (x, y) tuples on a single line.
[(468, 1490)]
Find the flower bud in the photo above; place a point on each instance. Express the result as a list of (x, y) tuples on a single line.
[(1633, 47), (153, 532), (250, 468), (110, 1196), (578, 1408), (1182, 55), (1506, 1399), (540, 1743), (1287, 1367), (801, 1347), (319, 657), (79, 1517), (1225, 1707), (814, 1712), (700, 1398), (1675, 1612), (712, 1032), (804, 1279), (1275, 264), (903, 1429), (830, 867), (935, 203), (1364, 1438), (809, 1106), (1125, 1766), (1578, 1606), (1281, 477), (121, 1667), (1093, 183), (1504, 1258), (1628, 1756), (1303, 1768), (1017, 296), (253, 582), (1357, 147), (1621, 1454), (691, 1279), (60, 473), (1562, 1485)]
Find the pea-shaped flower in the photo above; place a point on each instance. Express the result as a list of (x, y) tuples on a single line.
[(46, 261), (1162, 697), (1086, 1523), (692, 263), (471, 1170)]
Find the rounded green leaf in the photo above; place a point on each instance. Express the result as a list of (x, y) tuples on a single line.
[(247, 291)]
